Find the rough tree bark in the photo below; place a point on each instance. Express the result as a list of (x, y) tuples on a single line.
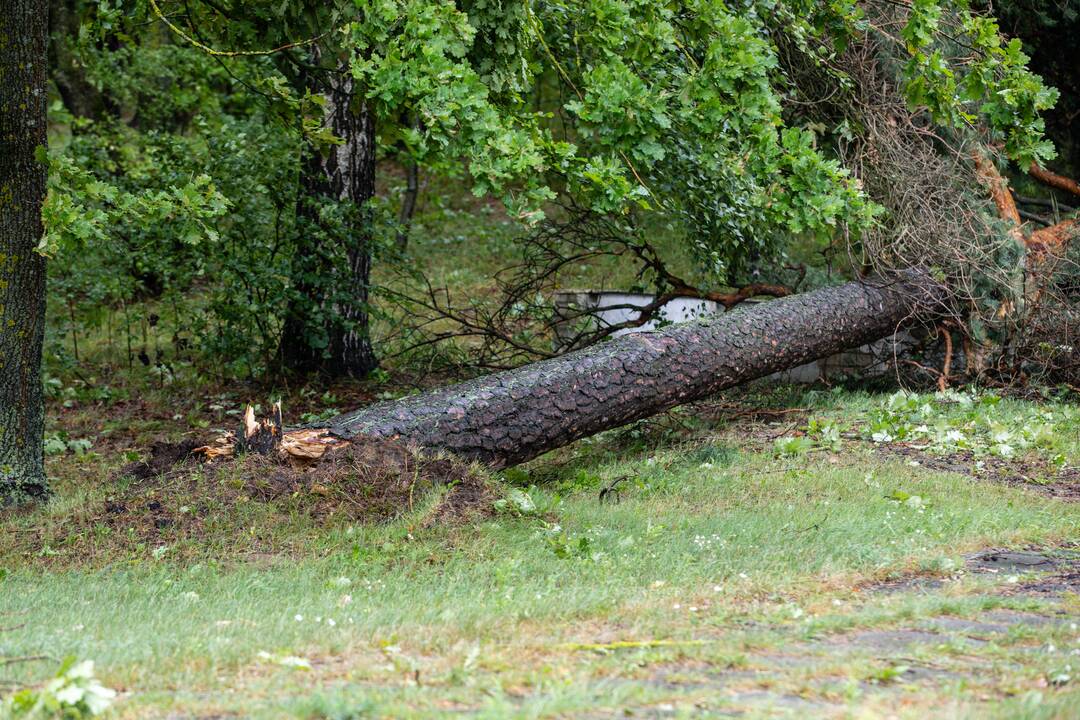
[(1054, 180), (23, 32), (326, 325), (513, 416)]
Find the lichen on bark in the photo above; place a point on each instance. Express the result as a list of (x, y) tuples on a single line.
[(23, 25)]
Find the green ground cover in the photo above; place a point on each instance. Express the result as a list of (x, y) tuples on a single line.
[(760, 553)]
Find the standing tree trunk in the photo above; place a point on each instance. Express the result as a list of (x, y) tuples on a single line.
[(23, 31), (513, 416), (326, 325), (79, 96), (408, 203)]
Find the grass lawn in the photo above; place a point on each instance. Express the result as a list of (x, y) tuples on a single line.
[(775, 552)]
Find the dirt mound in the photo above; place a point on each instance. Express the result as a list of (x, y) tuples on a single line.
[(366, 480), (174, 498), (163, 457)]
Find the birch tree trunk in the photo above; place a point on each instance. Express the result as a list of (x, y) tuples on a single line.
[(326, 326)]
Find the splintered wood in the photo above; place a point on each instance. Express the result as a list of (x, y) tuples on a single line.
[(300, 447)]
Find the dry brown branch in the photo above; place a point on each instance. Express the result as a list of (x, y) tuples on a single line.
[(518, 321)]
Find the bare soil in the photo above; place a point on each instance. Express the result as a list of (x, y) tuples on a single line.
[(174, 500), (1034, 473)]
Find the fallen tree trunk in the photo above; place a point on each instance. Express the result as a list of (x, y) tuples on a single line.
[(513, 416)]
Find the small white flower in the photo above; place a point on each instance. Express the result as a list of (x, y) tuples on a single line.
[(83, 670), (298, 617), (330, 622)]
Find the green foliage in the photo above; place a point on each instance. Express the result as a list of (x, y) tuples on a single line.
[(133, 214), (792, 446), (967, 421), (679, 112), (675, 115), (962, 70), (72, 694), (58, 443)]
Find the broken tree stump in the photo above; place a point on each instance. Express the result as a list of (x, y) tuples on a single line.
[(260, 436)]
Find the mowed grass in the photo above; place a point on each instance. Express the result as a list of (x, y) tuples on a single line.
[(710, 554)]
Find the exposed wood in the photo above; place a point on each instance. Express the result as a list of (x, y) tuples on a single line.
[(1045, 241), (1054, 180), (988, 175), (1055, 239), (946, 365), (300, 447), (260, 436)]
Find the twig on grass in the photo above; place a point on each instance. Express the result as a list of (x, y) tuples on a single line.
[(633, 644)]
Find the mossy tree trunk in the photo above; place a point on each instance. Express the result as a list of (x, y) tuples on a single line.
[(513, 416), (326, 326), (23, 33)]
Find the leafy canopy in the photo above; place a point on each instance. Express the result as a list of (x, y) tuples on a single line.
[(677, 113)]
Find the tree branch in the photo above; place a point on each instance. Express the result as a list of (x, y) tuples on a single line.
[(1054, 180)]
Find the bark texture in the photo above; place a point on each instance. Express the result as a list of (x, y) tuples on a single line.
[(1054, 180), (513, 416), (23, 35), (326, 326)]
